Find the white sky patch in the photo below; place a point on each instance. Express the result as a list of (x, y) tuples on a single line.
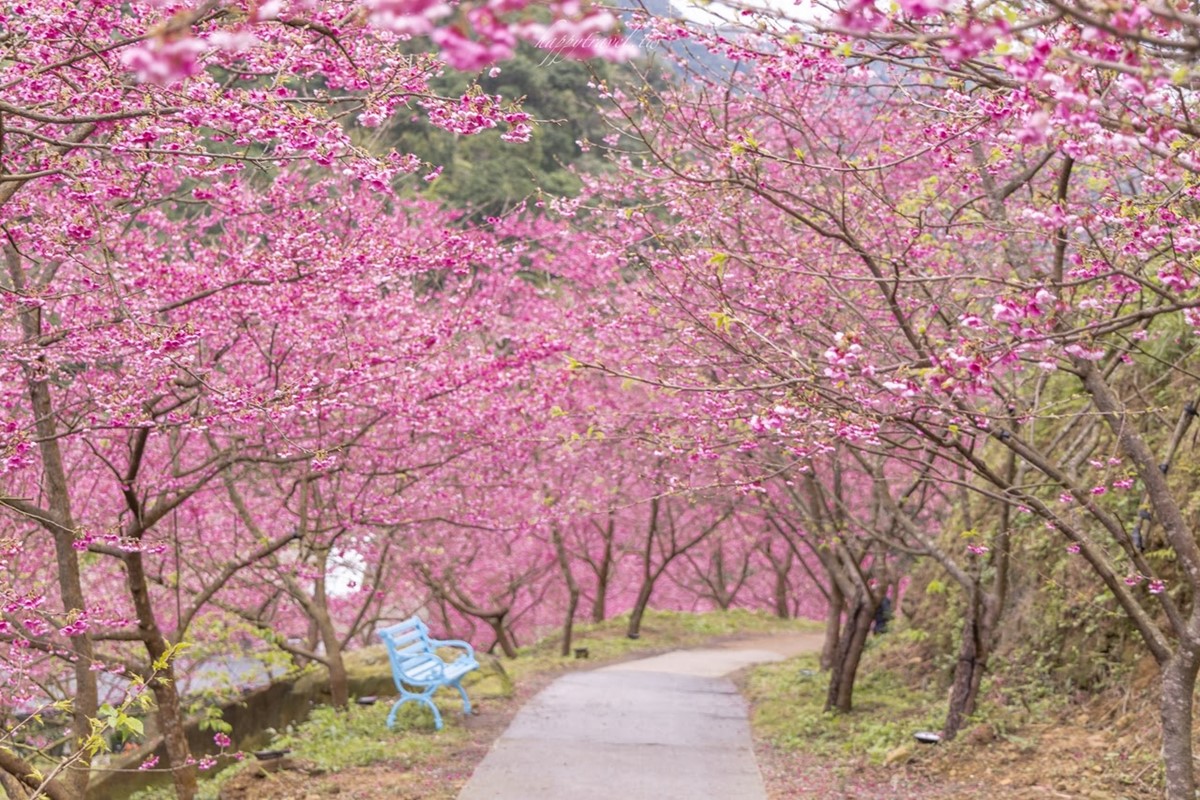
[(711, 12), (345, 574)]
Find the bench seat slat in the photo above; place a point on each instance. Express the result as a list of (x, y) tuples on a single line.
[(421, 669), (457, 669)]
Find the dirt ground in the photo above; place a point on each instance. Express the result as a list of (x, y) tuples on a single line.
[(1092, 761), (1104, 748), (1047, 762)]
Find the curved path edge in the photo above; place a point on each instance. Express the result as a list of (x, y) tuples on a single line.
[(671, 727)]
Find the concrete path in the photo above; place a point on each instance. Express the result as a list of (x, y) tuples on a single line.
[(670, 727)]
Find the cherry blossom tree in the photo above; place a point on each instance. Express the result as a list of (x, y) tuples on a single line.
[(966, 225), (155, 199)]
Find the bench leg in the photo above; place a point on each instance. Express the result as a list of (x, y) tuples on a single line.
[(391, 720), (421, 698), (466, 700), (437, 715)]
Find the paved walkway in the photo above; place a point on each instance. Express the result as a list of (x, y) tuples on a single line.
[(670, 727)]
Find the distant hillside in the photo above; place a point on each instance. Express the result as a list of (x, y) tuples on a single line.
[(693, 57)]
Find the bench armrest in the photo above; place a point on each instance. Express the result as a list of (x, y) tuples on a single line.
[(459, 643)]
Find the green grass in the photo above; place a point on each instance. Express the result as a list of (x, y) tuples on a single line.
[(335, 741), (789, 698)]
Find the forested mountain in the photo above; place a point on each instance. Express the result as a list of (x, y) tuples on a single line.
[(488, 176)]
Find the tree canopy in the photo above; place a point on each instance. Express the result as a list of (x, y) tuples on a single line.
[(318, 315)]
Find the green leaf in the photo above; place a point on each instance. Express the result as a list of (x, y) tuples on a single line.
[(718, 260), (131, 725)]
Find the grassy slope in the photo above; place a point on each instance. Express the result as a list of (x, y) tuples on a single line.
[(1021, 745)]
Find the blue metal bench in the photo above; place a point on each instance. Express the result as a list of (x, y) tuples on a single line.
[(419, 671)]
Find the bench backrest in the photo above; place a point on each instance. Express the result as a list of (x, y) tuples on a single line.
[(405, 640)]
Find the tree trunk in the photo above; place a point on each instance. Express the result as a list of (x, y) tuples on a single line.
[(782, 568), (980, 623), (564, 563), (170, 720), (170, 717), (339, 682), (86, 702), (62, 528), (1178, 685), (897, 601), (968, 670), (720, 595), (639, 608), (569, 620), (503, 638), (13, 787), (648, 575), (853, 641), (604, 574), (313, 639), (600, 602), (833, 625), (21, 775)]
